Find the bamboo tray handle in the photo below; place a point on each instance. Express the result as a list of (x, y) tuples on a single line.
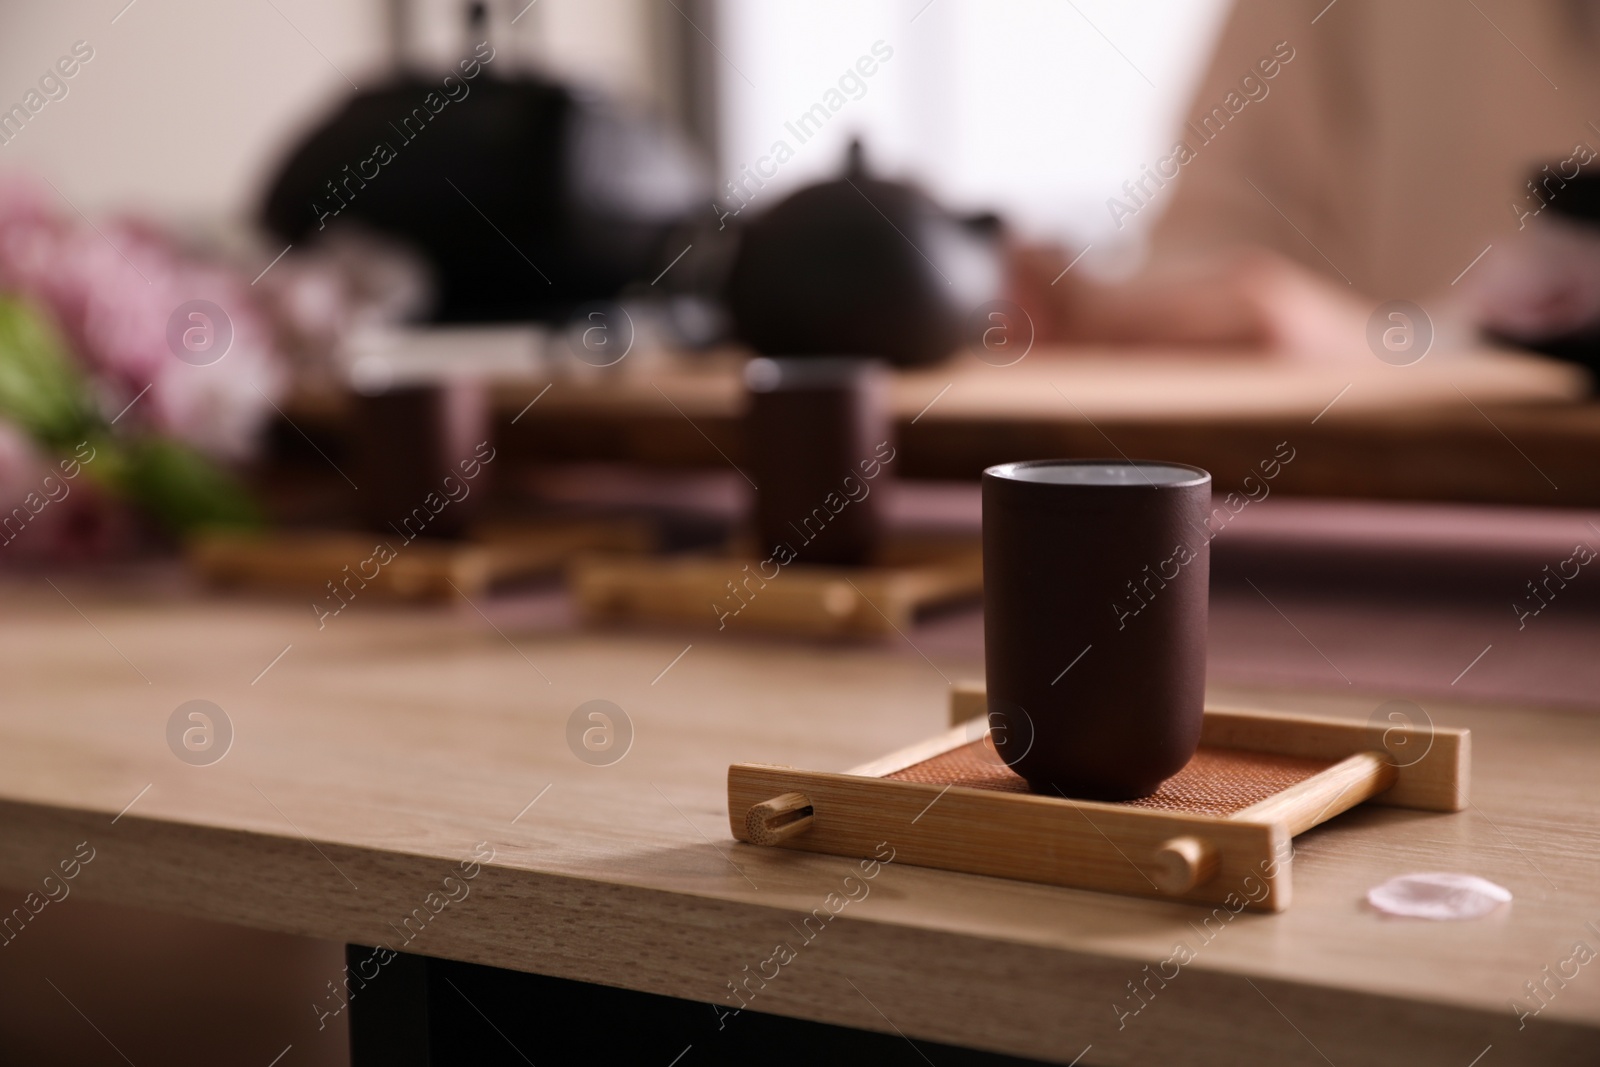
[(1319, 798), (1181, 863), (779, 819)]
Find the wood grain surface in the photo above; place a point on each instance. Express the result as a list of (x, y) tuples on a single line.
[(372, 756)]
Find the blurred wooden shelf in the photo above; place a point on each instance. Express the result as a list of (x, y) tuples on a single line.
[(1485, 427), (1471, 427)]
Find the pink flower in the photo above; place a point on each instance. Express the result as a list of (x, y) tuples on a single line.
[(112, 293)]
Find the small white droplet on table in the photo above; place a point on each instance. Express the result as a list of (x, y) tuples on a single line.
[(1438, 895)]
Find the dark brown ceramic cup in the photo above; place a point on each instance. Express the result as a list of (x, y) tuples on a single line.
[(814, 429), (1095, 583), (408, 440)]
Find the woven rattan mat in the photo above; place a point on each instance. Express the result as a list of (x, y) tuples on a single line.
[(1218, 781)]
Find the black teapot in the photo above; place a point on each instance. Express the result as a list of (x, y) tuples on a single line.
[(864, 267), (528, 197)]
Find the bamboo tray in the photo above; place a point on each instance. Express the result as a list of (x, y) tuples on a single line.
[(1218, 832), (423, 569), (730, 592)]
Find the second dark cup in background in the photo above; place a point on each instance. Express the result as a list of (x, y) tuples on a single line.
[(810, 424), (408, 440)]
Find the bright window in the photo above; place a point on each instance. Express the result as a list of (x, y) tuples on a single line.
[(1038, 109)]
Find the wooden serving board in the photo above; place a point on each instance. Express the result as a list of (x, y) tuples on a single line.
[(1217, 832), (423, 569), (729, 592)]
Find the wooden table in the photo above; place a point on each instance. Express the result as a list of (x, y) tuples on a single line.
[(371, 757), (1480, 426)]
